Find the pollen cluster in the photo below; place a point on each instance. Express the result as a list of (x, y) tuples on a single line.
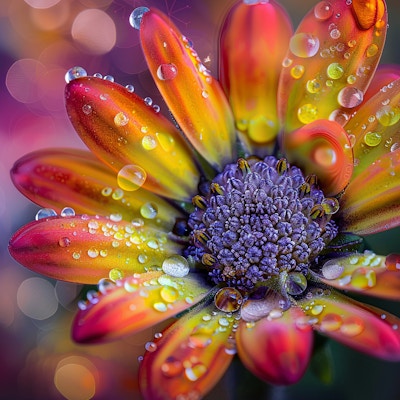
[(258, 219)]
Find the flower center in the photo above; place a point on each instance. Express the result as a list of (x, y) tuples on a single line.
[(258, 220)]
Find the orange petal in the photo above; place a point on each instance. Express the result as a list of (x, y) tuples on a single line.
[(366, 272), (56, 178), (375, 127), (189, 358), (250, 66), (134, 304), (195, 98), (276, 349), (85, 249), (364, 328), (132, 138), (371, 202), (322, 148), (331, 60)]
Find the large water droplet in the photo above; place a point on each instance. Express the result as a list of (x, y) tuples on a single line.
[(323, 10), (372, 139), (176, 265), (228, 299), (67, 212), (166, 72), (304, 45), (149, 210), (331, 322), (352, 326), (335, 71), (131, 177), (171, 367), (363, 278), (135, 19), (307, 113), (121, 119), (45, 213), (74, 73), (296, 283), (350, 97), (195, 372), (388, 115)]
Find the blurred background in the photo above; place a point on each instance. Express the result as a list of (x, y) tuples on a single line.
[(39, 41)]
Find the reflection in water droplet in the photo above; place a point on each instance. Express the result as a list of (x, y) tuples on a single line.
[(115, 274), (171, 367), (135, 19), (296, 283), (166, 72), (363, 278), (352, 326), (131, 177), (335, 71), (297, 71), (331, 322), (350, 97), (121, 119), (149, 210), (176, 265), (67, 212), (228, 299), (307, 113), (388, 115), (74, 73), (372, 139), (323, 10), (64, 242), (149, 142), (304, 45), (45, 213)]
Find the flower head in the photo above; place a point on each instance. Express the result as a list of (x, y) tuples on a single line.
[(241, 217)]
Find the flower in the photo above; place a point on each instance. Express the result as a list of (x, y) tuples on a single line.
[(246, 239)]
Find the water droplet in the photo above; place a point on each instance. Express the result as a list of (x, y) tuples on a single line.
[(149, 142), (307, 113), (394, 147), (115, 274), (169, 294), (228, 299), (109, 78), (372, 139), (304, 45), (98, 75), (195, 372), (317, 309), (352, 326), (87, 109), (130, 88), (45, 213), (313, 86), (323, 10), (330, 205), (388, 115), (74, 73), (64, 242), (67, 212), (296, 283), (135, 19), (149, 210), (105, 285), (331, 322), (150, 347), (363, 278), (118, 194), (131, 177), (148, 101), (204, 94), (350, 97), (166, 141), (332, 270), (121, 119), (160, 306), (172, 367), (297, 71), (335, 34), (166, 72), (92, 252), (335, 71), (176, 265), (339, 116), (76, 255), (372, 50), (92, 296), (201, 337)]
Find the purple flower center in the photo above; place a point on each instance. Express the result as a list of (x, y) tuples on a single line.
[(257, 220)]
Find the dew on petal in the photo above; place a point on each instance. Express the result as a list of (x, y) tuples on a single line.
[(149, 210), (64, 241), (92, 252), (317, 309), (372, 139), (307, 113), (67, 212), (323, 10), (74, 73), (350, 97), (121, 119), (115, 274), (150, 346), (160, 306), (176, 265), (372, 50), (149, 142), (352, 326), (172, 367), (331, 322), (131, 177), (228, 299), (330, 205), (388, 115), (335, 71), (45, 213), (297, 71), (324, 155), (105, 285), (87, 109), (135, 19), (166, 72), (304, 45), (363, 278), (195, 372), (130, 88), (169, 294), (201, 337), (313, 86), (296, 283), (332, 270), (166, 141)]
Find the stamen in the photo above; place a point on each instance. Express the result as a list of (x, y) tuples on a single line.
[(281, 166), (244, 166), (200, 202)]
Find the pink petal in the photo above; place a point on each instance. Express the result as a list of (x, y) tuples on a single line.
[(276, 349)]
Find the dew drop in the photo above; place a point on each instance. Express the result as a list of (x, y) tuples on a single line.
[(172, 367), (121, 119), (388, 115), (372, 139), (307, 113), (335, 34), (228, 299), (74, 73), (372, 50), (98, 75), (313, 86), (363, 278), (115, 274), (297, 71), (317, 309), (304, 45), (135, 19), (160, 306), (335, 71), (109, 78), (130, 88), (67, 212), (166, 72), (394, 147), (350, 97), (339, 116), (331, 322), (149, 210), (169, 294), (87, 109), (64, 241), (323, 10), (106, 191), (330, 205), (332, 270), (149, 142), (352, 326), (204, 94), (176, 265), (131, 177), (296, 283), (45, 213), (167, 142), (150, 347), (105, 285), (195, 372), (200, 337)]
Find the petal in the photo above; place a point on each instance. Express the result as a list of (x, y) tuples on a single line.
[(375, 127), (322, 148), (331, 60), (86, 249), (55, 178), (195, 99), (130, 136), (134, 304), (371, 202), (276, 349), (364, 328), (251, 64), (367, 273), (189, 358)]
